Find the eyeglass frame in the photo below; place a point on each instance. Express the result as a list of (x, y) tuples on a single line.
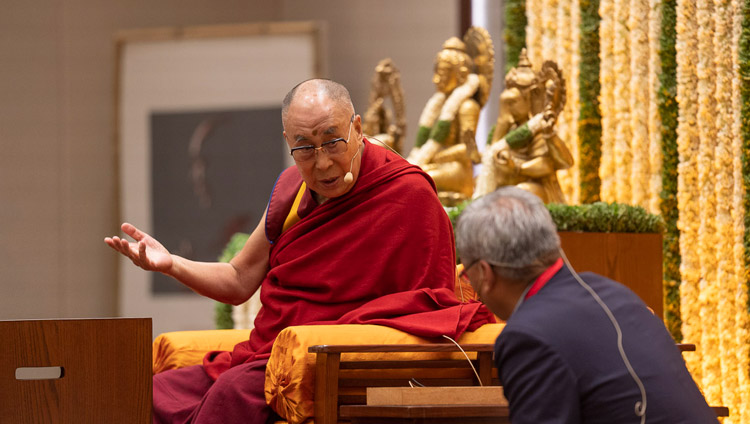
[(324, 144)]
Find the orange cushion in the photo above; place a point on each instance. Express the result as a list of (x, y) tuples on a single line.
[(185, 348), (290, 373)]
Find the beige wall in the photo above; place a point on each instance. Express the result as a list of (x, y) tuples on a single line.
[(57, 185)]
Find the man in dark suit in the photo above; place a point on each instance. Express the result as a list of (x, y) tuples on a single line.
[(559, 356)]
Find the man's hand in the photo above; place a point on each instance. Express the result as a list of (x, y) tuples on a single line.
[(146, 252)]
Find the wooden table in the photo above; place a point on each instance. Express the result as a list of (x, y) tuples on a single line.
[(105, 367), (434, 414)]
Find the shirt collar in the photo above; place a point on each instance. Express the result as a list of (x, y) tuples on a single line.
[(534, 288)]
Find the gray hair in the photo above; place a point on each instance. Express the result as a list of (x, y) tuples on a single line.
[(333, 90), (511, 229)]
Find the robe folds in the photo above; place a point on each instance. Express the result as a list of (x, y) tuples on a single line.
[(383, 253)]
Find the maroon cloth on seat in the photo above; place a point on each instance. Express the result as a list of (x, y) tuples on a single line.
[(381, 254), (189, 395)]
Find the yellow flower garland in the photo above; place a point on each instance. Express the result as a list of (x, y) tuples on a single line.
[(723, 167), (638, 102), (654, 119), (707, 197), (534, 30), (574, 99), (687, 196), (606, 80), (622, 147), (567, 57)]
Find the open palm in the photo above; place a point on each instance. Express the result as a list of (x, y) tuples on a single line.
[(146, 252)]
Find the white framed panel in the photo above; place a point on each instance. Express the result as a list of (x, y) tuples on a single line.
[(228, 67)]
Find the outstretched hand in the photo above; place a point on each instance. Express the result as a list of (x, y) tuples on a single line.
[(146, 252)]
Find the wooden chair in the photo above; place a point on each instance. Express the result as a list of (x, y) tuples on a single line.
[(340, 386), (721, 411)]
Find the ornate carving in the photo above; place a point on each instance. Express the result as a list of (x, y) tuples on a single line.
[(525, 149), (383, 124), (446, 145)]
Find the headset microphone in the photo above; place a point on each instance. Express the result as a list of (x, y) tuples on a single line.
[(349, 177)]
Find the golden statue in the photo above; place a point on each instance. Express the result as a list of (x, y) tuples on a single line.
[(445, 146), (525, 150), (379, 121)]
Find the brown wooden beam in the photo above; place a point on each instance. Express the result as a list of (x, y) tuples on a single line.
[(464, 16)]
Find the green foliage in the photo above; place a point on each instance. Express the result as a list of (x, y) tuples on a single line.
[(590, 118), (223, 311), (668, 112), (594, 217), (745, 128), (515, 31), (605, 218)]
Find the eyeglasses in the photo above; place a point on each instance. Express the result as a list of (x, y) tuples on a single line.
[(331, 147), (465, 272)]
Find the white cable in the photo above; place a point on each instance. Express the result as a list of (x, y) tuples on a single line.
[(467, 358), (640, 407)]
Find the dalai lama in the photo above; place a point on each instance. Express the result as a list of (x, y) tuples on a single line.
[(351, 234)]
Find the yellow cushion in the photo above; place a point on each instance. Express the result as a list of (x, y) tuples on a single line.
[(185, 348), (290, 373)]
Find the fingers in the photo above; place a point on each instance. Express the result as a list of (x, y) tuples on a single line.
[(130, 230)]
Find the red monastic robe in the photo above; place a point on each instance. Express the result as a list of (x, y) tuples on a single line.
[(381, 254)]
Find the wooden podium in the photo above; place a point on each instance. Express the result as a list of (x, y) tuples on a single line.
[(76, 371), (634, 260)]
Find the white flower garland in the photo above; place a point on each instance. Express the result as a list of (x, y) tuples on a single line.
[(431, 110)]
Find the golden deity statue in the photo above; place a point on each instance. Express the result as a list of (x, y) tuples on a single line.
[(525, 150), (446, 145), (379, 121)]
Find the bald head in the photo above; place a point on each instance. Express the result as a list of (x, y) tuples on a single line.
[(318, 87)]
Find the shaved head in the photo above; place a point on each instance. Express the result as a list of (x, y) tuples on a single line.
[(318, 86)]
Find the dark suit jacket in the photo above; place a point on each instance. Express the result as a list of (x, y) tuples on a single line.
[(558, 360)]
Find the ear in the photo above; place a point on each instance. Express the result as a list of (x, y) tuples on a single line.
[(487, 280), (358, 127)]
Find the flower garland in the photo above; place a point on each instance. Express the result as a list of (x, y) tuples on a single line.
[(654, 121), (549, 30), (741, 96), (668, 111), (706, 247), (638, 106), (622, 149), (687, 196), (607, 83), (726, 279), (515, 32), (563, 55), (574, 95), (590, 119), (533, 31)]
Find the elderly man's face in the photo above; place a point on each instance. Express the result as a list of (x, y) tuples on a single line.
[(313, 119)]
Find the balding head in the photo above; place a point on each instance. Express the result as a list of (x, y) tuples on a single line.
[(317, 87)]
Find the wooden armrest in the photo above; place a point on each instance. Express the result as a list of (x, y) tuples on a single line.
[(686, 347), (437, 347)]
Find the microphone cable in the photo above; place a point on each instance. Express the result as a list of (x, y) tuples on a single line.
[(640, 406)]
